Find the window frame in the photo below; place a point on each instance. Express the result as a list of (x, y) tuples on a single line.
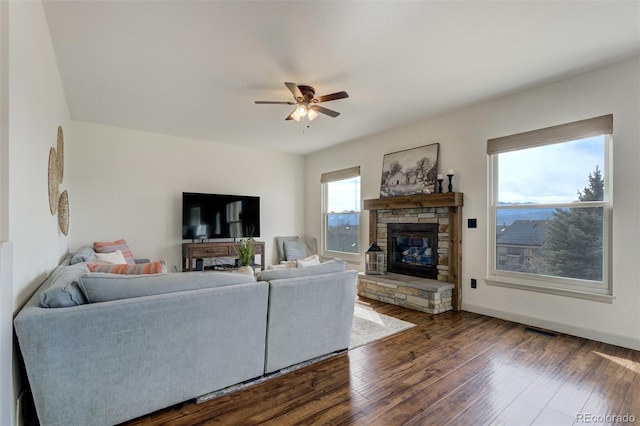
[(325, 179), (578, 288)]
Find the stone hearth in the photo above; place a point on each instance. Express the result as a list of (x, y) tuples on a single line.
[(420, 294)]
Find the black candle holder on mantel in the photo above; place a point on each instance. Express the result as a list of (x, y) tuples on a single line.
[(440, 186), (450, 176)]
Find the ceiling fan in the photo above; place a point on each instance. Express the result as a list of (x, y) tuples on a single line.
[(306, 102)]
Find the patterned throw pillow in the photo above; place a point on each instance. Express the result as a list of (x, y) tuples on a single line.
[(108, 247), (159, 267)]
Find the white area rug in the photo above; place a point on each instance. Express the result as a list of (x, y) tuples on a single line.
[(369, 326)]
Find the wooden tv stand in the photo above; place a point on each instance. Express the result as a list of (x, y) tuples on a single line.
[(191, 251)]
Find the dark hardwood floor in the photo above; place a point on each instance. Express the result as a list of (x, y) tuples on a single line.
[(454, 368)]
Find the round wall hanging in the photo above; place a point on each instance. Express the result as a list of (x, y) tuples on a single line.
[(60, 149), (53, 181), (63, 213)]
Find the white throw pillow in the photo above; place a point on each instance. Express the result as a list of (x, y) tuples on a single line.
[(312, 260), (113, 258), (285, 264)]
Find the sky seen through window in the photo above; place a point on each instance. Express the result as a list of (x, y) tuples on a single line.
[(549, 174)]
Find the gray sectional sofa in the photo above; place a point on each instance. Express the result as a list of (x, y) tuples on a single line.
[(125, 346)]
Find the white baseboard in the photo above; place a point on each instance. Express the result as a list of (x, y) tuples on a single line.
[(600, 336)]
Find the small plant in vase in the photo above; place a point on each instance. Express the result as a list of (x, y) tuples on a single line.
[(246, 253)]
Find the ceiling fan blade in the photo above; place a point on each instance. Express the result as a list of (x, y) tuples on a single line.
[(324, 110), (295, 90), (275, 102), (333, 97)]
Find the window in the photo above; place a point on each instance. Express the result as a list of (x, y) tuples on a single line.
[(341, 213), (551, 209)]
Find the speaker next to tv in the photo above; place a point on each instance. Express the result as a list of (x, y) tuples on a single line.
[(199, 265)]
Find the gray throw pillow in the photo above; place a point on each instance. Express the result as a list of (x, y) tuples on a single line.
[(294, 250), (280, 246), (64, 291), (83, 255)]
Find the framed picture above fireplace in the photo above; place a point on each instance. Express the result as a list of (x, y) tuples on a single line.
[(412, 171)]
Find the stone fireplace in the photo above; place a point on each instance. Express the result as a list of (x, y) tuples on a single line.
[(420, 236)]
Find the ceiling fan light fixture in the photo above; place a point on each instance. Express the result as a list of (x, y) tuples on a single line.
[(301, 109), (312, 114)]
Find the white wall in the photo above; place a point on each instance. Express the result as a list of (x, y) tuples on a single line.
[(35, 107), (6, 248), (128, 184), (462, 136)]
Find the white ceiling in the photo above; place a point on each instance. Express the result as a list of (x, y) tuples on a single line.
[(194, 68)]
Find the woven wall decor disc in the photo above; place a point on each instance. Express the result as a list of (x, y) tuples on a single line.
[(63, 212), (53, 181), (60, 149)]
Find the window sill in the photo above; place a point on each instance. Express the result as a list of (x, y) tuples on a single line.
[(529, 286), (349, 258)]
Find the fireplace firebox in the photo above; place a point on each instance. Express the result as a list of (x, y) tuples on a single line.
[(412, 249)]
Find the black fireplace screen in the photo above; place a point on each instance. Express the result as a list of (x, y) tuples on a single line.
[(413, 249)]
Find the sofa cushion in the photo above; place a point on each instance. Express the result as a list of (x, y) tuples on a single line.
[(83, 255), (158, 267), (334, 265), (309, 317), (110, 246), (64, 291), (101, 287)]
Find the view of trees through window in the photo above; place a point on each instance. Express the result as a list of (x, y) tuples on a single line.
[(567, 242), (553, 236), (573, 246)]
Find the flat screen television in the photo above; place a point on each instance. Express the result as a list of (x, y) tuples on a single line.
[(207, 216)]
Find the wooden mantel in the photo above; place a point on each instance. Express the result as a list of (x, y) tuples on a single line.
[(445, 199), (451, 200)]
